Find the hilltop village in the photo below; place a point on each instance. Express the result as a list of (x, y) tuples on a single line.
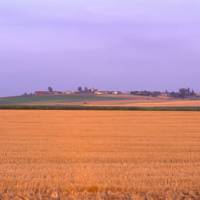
[(181, 93)]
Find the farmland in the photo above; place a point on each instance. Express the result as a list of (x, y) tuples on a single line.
[(99, 155), (81, 100)]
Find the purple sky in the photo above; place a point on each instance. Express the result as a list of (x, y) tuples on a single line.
[(108, 44)]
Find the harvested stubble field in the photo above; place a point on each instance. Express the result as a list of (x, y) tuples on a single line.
[(99, 155)]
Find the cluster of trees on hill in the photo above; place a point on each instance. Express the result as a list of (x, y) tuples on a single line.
[(146, 93), (182, 93), (86, 90)]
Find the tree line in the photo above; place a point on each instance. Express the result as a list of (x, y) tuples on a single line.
[(181, 93)]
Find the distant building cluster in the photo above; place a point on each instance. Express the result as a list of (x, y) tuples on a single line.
[(182, 93), (80, 90)]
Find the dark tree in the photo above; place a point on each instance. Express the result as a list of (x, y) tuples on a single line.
[(80, 89), (184, 92), (86, 90), (50, 89)]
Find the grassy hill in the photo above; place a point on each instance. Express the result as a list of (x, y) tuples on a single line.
[(60, 99)]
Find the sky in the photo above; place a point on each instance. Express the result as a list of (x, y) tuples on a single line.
[(106, 44)]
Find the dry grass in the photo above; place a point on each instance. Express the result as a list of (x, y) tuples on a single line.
[(151, 102), (99, 155), (170, 103)]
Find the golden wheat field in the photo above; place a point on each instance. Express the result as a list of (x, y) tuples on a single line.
[(99, 155)]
